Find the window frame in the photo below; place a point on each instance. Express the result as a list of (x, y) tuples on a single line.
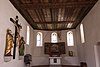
[(82, 33), (28, 35), (70, 38), (41, 39), (53, 38)]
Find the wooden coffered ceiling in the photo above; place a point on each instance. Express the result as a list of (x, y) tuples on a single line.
[(53, 14)]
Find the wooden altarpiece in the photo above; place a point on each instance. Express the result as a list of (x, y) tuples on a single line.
[(54, 49)]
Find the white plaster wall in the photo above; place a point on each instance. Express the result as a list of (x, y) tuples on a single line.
[(80, 46), (39, 58), (92, 35), (7, 11), (70, 61)]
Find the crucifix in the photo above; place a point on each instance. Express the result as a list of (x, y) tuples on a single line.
[(18, 27)]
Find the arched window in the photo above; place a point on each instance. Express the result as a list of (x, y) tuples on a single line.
[(70, 40), (39, 39), (54, 37), (82, 33), (28, 35)]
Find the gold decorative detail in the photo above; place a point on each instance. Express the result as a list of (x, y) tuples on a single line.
[(9, 43)]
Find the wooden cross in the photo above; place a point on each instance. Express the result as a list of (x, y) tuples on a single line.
[(17, 30)]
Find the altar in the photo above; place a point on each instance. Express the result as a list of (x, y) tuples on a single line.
[(54, 50), (55, 61)]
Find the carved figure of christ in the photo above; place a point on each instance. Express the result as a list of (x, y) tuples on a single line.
[(18, 27)]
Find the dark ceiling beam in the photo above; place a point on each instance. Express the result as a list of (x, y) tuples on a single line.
[(53, 29), (54, 22), (57, 5)]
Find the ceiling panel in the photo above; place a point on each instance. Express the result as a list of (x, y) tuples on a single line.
[(53, 14)]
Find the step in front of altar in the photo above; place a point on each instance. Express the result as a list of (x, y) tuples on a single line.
[(55, 66)]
